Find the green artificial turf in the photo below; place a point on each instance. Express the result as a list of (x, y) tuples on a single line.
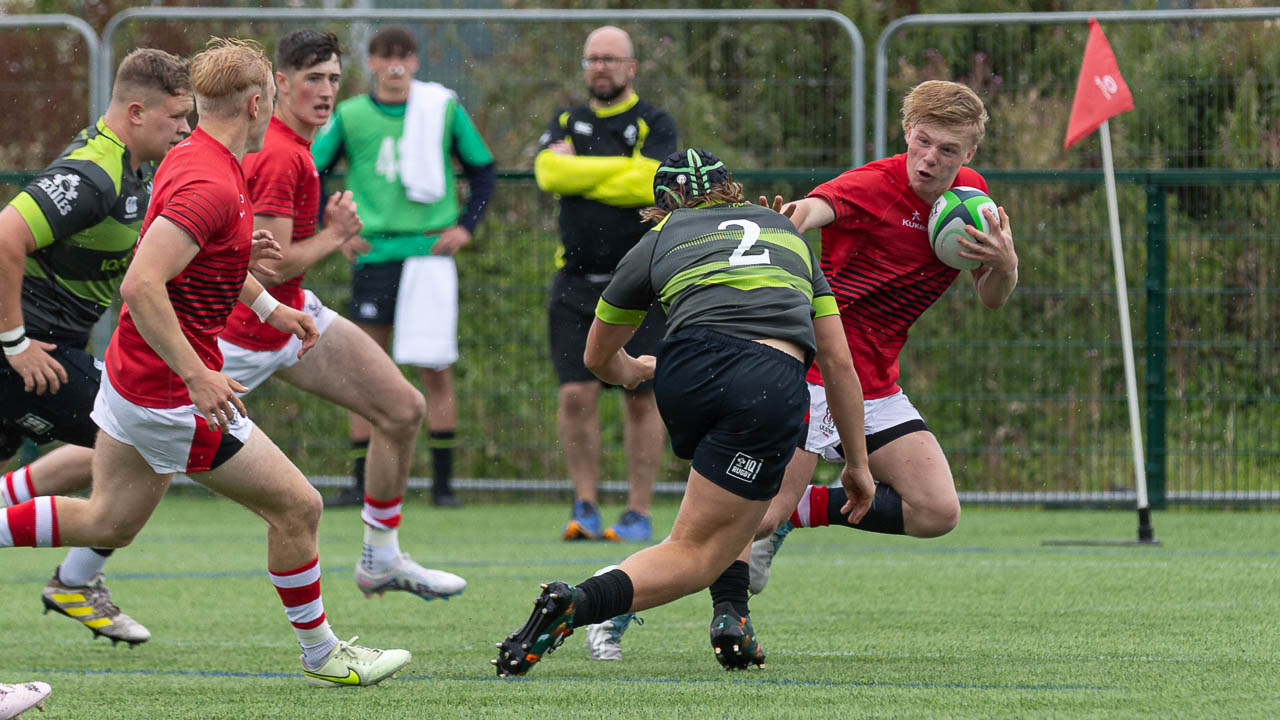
[(985, 622)]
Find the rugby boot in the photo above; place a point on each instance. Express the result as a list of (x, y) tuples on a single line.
[(351, 665), (584, 522), (91, 605), (762, 552), (604, 640), (17, 699), (631, 527), (733, 640), (409, 576), (544, 631)]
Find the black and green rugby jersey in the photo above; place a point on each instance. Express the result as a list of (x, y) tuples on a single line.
[(739, 269), (607, 179), (85, 211)]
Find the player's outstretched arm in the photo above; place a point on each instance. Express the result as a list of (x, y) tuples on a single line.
[(606, 357), (809, 213), (996, 278), (163, 253), (29, 358), (844, 396)]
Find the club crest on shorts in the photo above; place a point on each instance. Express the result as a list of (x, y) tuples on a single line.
[(34, 424), (744, 467)]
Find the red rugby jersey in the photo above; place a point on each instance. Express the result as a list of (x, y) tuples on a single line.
[(199, 187), (877, 257), (283, 182)]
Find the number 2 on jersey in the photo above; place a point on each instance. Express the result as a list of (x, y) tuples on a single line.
[(750, 234)]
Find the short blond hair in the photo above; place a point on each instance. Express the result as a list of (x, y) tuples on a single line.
[(225, 70), (946, 104)]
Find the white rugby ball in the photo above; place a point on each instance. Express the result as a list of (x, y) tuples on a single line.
[(958, 207)]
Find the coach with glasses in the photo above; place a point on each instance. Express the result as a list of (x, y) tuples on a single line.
[(599, 158)]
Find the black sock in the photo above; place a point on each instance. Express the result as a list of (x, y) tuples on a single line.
[(359, 448), (104, 552), (732, 587), (885, 515), (441, 443), (601, 597)]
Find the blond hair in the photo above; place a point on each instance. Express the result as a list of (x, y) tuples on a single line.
[(946, 104), (225, 71)]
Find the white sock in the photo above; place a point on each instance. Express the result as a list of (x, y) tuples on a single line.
[(316, 644), (80, 565), (381, 548)]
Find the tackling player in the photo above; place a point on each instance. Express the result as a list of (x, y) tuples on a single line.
[(876, 254), (747, 310), (65, 242), (346, 367)]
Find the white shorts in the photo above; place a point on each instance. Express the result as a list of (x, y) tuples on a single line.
[(251, 368), (880, 414), (170, 439), (426, 324)]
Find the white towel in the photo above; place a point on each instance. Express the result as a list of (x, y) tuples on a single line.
[(422, 161), (427, 313)]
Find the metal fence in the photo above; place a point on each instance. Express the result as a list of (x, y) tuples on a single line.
[(1193, 107), (735, 77), (39, 112)]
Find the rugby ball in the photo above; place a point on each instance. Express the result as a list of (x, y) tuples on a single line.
[(957, 207)]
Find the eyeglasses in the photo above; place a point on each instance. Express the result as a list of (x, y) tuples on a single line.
[(604, 60)]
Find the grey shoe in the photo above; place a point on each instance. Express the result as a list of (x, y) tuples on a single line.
[(762, 552), (91, 606), (604, 640)]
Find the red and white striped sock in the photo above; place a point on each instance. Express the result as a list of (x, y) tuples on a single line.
[(381, 514), (381, 532), (811, 511), (16, 487), (299, 590), (33, 523)]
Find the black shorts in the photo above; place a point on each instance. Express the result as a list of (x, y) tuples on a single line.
[(374, 288), (63, 415), (571, 309), (734, 407)]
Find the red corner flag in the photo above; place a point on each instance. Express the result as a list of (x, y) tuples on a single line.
[(1100, 91)]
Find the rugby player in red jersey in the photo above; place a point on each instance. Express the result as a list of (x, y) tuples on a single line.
[(164, 407), (877, 257), (346, 366)]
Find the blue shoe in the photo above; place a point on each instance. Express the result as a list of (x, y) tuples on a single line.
[(631, 527), (584, 523)]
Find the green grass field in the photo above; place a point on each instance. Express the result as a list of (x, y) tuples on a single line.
[(985, 622)]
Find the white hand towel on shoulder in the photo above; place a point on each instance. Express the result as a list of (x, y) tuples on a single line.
[(422, 161)]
